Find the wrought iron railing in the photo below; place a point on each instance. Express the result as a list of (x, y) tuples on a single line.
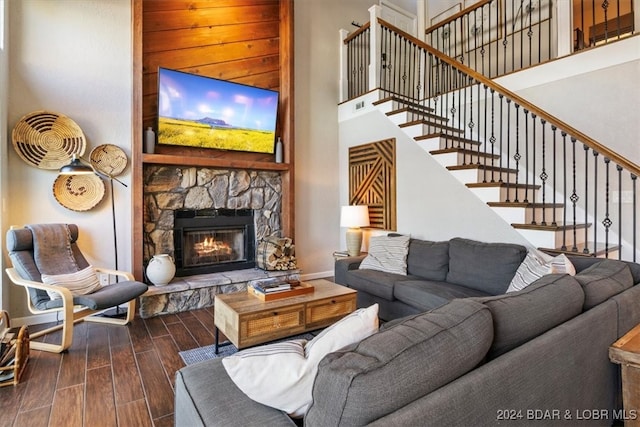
[(497, 37), (602, 21), (572, 183), (358, 59)]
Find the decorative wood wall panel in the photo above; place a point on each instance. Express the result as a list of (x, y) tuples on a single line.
[(372, 181)]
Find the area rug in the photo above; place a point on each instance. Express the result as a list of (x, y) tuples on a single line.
[(200, 354)]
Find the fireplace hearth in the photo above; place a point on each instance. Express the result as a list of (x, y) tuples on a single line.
[(213, 240)]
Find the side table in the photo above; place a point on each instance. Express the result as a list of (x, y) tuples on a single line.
[(626, 353)]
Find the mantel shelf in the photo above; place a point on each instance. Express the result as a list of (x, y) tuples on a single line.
[(165, 159)]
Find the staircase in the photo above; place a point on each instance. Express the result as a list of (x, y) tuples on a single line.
[(543, 224), (561, 189)]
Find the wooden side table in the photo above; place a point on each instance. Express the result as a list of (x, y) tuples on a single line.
[(626, 353)]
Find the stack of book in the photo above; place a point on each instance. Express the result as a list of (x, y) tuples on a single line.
[(267, 286), (276, 288)]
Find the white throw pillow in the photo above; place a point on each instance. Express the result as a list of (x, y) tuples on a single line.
[(562, 265), (388, 254), (537, 264), (281, 375), (79, 283)]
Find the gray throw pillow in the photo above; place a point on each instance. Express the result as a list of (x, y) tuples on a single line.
[(428, 260)]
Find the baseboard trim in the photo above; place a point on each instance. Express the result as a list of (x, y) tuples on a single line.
[(319, 275), (36, 319)]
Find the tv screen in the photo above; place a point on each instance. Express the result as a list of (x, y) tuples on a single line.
[(199, 111)]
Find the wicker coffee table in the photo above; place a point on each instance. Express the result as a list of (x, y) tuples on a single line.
[(246, 320)]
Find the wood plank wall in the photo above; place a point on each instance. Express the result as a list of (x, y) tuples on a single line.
[(236, 40)]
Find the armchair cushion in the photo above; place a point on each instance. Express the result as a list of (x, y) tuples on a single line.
[(80, 282), (105, 297)]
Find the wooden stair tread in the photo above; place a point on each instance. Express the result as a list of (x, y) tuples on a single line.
[(549, 227), (418, 111), (481, 166), (403, 102), (457, 138), (464, 151), (434, 124), (592, 250), (524, 205), (501, 184)]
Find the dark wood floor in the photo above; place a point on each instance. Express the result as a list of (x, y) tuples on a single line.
[(111, 375)]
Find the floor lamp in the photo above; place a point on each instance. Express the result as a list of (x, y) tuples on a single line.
[(101, 165)]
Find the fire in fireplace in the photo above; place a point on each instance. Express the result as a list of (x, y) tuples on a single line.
[(213, 240)]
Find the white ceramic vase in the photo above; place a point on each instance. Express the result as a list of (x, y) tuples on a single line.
[(161, 269)]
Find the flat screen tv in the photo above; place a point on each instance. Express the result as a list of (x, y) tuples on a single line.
[(204, 112)]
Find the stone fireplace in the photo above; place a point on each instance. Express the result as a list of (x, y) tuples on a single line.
[(172, 191), (169, 189)]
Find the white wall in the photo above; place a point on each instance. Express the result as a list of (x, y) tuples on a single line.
[(4, 142), (74, 58), (317, 70)]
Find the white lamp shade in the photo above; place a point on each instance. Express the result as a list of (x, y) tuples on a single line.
[(354, 216)]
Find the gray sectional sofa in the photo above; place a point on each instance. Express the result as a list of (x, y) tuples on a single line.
[(437, 272), (537, 356)]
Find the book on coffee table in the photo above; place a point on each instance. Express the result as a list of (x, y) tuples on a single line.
[(298, 288), (267, 289)]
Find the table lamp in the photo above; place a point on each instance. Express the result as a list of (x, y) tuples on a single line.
[(354, 217)]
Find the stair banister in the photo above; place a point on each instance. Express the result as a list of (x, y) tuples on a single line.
[(552, 120), (458, 88)]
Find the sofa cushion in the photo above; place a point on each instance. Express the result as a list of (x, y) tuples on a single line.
[(604, 280), (388, 254), (429, 260), (394, 367), (521, 316), (281, 374), (427, 295), (206, 396), (488, 267), (374, 282)]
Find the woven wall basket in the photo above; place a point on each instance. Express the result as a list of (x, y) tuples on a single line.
[(78, 192), (47, 140), (108, 159)]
